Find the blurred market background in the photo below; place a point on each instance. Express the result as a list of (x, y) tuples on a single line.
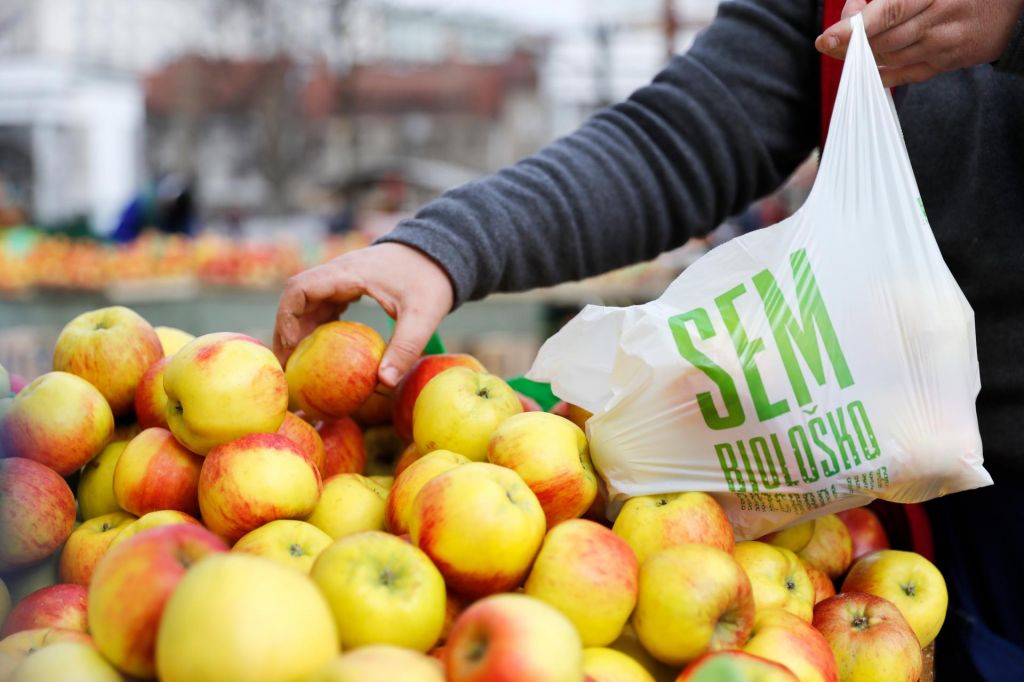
[(185, 157)]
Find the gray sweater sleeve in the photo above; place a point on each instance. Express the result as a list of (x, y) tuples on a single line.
[(722, 125), (1012, 59)]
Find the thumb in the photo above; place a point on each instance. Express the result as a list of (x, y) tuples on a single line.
[(412, 332), (853, 7)]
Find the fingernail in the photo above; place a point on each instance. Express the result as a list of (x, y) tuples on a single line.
[(389, 375), (831, 43)]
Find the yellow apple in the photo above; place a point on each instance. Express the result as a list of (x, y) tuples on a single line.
[(830, 549), (350, 503), (777, 577), (302, 433), (37, 512), (422, 371), (650, 523), (381, 590), (15, 648), (608, 665), (460, 409), (481, 525), (172, 340), (580, 559), (628, 643), (30, 429), (693, 598), (717, 666), (111, 348), (254, 480), (96, 484), (909, 581), (240, 617), (88, 543), (823, 587), (513, 632), (381, 663), (409, 483), (550, 454), (383, 481), (155, 473), (221, 387), (793, 538), (789, 640), (167, 517), (67, 662), (289, 542)]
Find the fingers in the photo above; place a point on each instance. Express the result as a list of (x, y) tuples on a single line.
[(879, 17), (915, 73), (302, 303), (413, 328)]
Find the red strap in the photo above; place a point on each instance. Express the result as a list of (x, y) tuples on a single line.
[(831, 69)]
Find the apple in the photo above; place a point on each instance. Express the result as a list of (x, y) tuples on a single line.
[(460, 409), (830, 549), (453, 607), (253, 480), (409, 483), (376, 409), (302, 433), (409, 455), (601, 664), (692, 598), (350, 503), (777, 577), (88, 543), (383, 481), (57, 606), (18, 382), (909, 581), (221, 387), (155, 473), (735, 665), (30, 430), (150, 397), (823, 587), (528, 404), (381, 590), (550, 454), (574, 413), (37, 512), (171, 339), (628, 643), (240, 617), (14, 649), (66, 661), (131, 585), (422, 371), (512, 637), (334, 370), (794, 538), (5, 601), (289, 542), (866, 531), (650, 523), (870, 639), (790, 641), (344, 447), (111, 348), (381, 663), (580, 559), (157, 519), (480, 524), (383, 448), (96, 483)]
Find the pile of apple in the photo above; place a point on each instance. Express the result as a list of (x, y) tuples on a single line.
[(447, 530)]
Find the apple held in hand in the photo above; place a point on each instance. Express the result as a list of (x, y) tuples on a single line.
[(150, 397), (334, 370), (221, 387), (240, 617), (171, 339), (381, 663), (693, 598), (37, 512), (286, 541), (409, 483), (111, 348), (96, 483), (608, 665), (68, 661), (830, 549), (57, 606), (377, 408), (157, 519), (480, 525), (866, 531), (823, 587), (344, 447), (777, 577), (650, 523), (423, 370), (254, 480), (350, 503), (88, 543), (910, 582), (30, 430), (794, 538), (154, 473), (510, 638), (790, 641), (460, 409), (735, 665), (870, 639), (302, 433), (131, 586), (550, 454), (578, 560)]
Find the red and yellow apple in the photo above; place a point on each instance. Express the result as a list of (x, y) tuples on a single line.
[(254, 480), (240, 617), (735, 665), (381, 663), (37, 512), (481, 525), (794, 538), (830, 549), (422, 371), (580, 559), (221, 387), (550, 454), (409, 455), (66, 661), (302, 433), (350, 503), (510, 638), (58, 606), (30, 429), (409, 483), (376, 409), (150, 397), (333, 371), (131, 585), (601, 664), (823, 586), (866, 531), (157, 519), (289, 542), (650, 523), (777, 577), (344, 447), (96, 483), (790, 641), (14, 649), (172, 339), (88, 543), (155, 473), (111, 348)]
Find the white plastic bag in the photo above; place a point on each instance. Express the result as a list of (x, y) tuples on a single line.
[(799, 370)]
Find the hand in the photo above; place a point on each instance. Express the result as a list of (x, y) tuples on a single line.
[(408, 285), (914, 40)]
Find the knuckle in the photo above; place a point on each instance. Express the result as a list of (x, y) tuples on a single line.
[(893, 13)]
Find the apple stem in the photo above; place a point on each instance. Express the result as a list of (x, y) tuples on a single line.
[(860, 622), (908, 589)]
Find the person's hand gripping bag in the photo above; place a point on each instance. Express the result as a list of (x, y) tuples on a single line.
[(800, 370)]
